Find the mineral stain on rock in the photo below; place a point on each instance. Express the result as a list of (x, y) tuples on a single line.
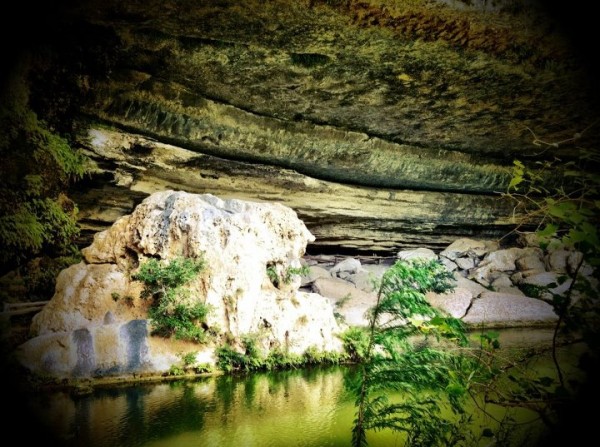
[(86, 357), (134, 334)]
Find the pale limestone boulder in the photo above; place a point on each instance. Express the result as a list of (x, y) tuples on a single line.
[(484, 275), (495, 310), (503, 284), (573, 261), (465, 263), (466, 247), (495, 263), (556, 260), (350, 303), (417, 253), (473, 287), (502, 260), (531, 263), (369, 278), (542, 279), (377, 270), (453, 303), (335, 289), (451, 266), (348, 265), (457, 302), (314, 272), (241, 242), (84, 294), (120, 348), (365, 280)]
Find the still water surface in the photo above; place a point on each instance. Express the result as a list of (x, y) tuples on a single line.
[(308, 407)]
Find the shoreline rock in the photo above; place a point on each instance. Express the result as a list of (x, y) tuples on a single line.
[(85, 332), (489, 282)]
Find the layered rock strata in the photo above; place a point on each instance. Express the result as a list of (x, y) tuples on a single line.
[(399, 121), (342, 217)]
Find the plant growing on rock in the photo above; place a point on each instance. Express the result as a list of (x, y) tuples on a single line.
[(286, 277), (252, 359), (172, 311), (391, 361)]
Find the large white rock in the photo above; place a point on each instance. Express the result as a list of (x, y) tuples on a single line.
[(241, 242), (493, 310)]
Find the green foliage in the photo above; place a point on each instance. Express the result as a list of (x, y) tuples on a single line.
[(292, 271), (162, 278), (273, 275), (39, 274), (343, 301), (37, 167), (172, 311), (188, 365), (392, 361), (532, 290), (562, 199), (356, 343), (230, 359), (312, 356), (189, 358), (286, 277)]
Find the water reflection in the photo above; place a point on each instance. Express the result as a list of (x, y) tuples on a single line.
[(309, 407), (304, 408)]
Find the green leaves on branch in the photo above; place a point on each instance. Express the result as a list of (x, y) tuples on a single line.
[(173, 311), (37, 167), (562, 199), (396, 358)]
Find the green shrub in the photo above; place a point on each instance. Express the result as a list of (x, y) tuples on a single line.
[(356, 343), (287, 275), (171, 311), (231, 360), (38, 166)]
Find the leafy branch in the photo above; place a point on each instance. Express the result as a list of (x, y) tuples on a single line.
[(173, 311), (391, 360), (562, 199)]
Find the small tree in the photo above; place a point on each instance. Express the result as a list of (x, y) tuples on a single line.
[(395, 359)]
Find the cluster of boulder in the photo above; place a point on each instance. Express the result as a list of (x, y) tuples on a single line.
[(495, 287), (97, 324)]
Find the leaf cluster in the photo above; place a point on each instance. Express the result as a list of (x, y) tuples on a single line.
[(37, 168), (562, 200), (172, 312), (252, 359), (286, 276), (396, 357)]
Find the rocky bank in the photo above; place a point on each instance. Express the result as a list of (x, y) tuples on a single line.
[(97, 324)]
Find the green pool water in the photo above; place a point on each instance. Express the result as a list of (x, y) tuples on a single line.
[(308, 407)]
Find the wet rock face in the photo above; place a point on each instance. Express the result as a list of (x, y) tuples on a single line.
[(97, 322), (401, 117)]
